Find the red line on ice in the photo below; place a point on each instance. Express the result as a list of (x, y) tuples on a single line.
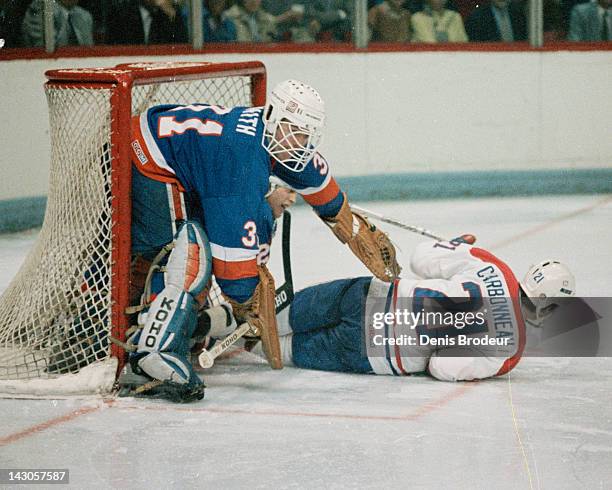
[(35, 429), (418, 413)]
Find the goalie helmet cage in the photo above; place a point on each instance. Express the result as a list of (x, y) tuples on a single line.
[(70, 295)]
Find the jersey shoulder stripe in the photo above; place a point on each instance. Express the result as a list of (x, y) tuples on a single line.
[(513, 287), (145, 161)]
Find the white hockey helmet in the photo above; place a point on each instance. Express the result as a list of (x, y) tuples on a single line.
[(301, 108), (543, 285)]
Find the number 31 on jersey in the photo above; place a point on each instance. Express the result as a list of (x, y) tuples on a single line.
[(169, 126)]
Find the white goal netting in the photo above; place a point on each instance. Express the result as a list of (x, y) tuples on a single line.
[(55, 316)]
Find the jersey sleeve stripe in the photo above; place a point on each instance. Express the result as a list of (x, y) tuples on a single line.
[(230, 254), (306, 191), (513, 287), (144, 161), (234, 270), (151, 145), (323, 196)]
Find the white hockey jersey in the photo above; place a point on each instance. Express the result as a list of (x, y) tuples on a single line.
[(490, 345)]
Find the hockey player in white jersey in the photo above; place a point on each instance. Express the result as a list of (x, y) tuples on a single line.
[(478, 307)]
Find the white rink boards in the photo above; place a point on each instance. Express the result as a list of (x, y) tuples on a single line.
[(547, 425)]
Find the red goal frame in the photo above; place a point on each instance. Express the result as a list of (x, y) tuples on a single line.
[(120, 80)]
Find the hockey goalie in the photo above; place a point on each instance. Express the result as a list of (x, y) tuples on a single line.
[(200, 180)]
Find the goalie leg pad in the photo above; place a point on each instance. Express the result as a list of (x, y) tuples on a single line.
[(163, 343), (189, 266), (170, 321)]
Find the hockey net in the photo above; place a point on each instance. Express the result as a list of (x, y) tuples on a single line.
[(69, 297)]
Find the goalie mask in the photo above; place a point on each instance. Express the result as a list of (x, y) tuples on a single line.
[(294, 117), (542, 287)]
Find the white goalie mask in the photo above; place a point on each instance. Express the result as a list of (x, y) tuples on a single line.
[(294, 117), (543, 285)]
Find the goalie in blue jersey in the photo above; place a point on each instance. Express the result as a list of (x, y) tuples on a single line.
[(198, 209)]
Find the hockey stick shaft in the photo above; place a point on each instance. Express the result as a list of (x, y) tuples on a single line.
[(415, 229), (285, 293)]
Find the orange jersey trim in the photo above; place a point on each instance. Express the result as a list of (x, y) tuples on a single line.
[(235, 270), (398, 357), (513, 287), (176, 202), (143, 160), (325, 195)]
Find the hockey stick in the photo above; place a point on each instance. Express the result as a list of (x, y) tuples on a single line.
[(283, 298), (399, 224), (285, 293), (207, 357)]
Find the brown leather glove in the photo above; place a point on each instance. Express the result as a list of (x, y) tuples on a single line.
[(260, 312), (368, 243)]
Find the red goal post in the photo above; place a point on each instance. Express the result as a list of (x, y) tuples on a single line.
[(70, 296)]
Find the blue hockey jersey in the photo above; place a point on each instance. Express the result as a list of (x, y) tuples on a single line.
[(215, 156)]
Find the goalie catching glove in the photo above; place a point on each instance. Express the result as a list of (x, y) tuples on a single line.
[(260, 312), (368, 243)]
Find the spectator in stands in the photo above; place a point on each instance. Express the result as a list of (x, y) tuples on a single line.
[(334, 17), (99, 10), (145, 22), (253, 23), (553, 27), (436, 24), (502, 20), (5, 24), (566, 10), (389, 21), (291, 21), (591, 21), (216, 25), (73, 25), (11, 16)]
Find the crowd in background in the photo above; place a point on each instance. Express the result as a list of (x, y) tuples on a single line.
[(89, 22)]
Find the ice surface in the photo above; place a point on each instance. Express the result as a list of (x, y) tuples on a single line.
[(547, 425)]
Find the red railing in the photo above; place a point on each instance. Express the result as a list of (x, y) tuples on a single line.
[(276, 48)]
